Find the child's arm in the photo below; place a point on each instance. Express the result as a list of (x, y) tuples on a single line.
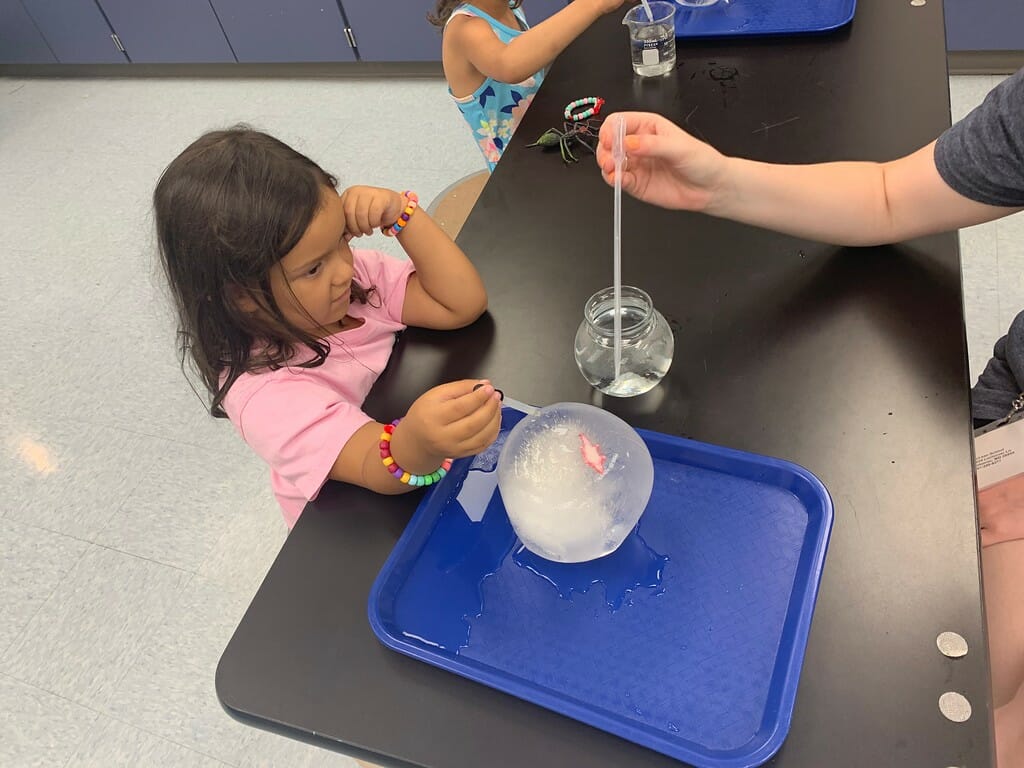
[(446, 291), (452, 420), (847, 203), (529, 52)]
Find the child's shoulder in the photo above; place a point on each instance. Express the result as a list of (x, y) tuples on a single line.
[(380, 271), (462, 12), (466, 17), (265, 383)]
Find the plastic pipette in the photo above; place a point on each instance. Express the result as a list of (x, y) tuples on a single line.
[(618, 153)]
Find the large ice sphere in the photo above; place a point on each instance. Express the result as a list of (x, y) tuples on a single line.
[(575, 480)]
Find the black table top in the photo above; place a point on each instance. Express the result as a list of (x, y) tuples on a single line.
[(851, 362)]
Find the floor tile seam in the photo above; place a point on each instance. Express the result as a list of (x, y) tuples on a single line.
[(58, 695), (126, 668), (154, 735), (102, 713), (139, 433), (191, 574), (137, 556), (176, 743), (42, 604), (117, 510), (341, 127)]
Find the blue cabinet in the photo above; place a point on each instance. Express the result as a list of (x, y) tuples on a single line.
[(284, 30), (216, 31), (984, 25), (20, 40), (168, 31), (398, 30), (76, 31), (393, 30)]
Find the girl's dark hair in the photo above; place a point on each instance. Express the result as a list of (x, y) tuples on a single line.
[(444, 9), (228, 209)]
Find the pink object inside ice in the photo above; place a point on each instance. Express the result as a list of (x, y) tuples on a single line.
[(592, 455)]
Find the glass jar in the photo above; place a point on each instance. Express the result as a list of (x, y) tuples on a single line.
[(647, 343)]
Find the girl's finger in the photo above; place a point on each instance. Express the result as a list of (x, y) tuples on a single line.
[(490, 434), (468, 431), (363, 215), (454, 389), (456, 409), (351, 221), (376, 212)]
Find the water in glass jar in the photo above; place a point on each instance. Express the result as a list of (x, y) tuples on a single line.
[(642, 369), (654, 49)]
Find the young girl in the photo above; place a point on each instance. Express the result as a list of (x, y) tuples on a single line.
[(494, 63), (289, 328)]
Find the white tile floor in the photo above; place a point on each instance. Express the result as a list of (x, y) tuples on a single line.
[(134, 529)]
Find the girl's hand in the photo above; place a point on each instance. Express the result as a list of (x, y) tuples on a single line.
[(451, 420), (663, 165), (368, 209)]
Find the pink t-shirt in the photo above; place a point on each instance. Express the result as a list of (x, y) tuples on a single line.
[(299, 419)]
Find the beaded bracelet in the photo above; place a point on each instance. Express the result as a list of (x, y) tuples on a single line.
[(400, 474), (596, 101), (411, 203)]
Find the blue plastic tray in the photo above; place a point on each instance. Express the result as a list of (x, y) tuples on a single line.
[(763, 17), (688, 639)]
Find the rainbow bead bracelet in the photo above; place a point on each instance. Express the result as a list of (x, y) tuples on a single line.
[(412, 201), (400, 474)]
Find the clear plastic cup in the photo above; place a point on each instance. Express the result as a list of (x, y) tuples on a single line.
[(652, 42)]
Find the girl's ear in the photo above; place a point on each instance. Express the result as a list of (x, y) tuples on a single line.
[(242, 298)]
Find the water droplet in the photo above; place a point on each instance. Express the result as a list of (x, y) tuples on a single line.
[(673, 727)]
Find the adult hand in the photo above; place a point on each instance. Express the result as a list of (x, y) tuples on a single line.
[(664, 165)]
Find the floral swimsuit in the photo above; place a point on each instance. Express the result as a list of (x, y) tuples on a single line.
[(494, 109)]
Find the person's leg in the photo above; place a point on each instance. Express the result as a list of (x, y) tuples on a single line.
[(1003, 574)]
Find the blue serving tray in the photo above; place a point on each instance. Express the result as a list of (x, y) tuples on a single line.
[(729, 18), (688, 639)]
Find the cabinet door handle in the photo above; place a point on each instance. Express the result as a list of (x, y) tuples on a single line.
[(117, 42), (350, 36)]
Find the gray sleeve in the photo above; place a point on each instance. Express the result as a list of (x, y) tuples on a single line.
[(982, 156)]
